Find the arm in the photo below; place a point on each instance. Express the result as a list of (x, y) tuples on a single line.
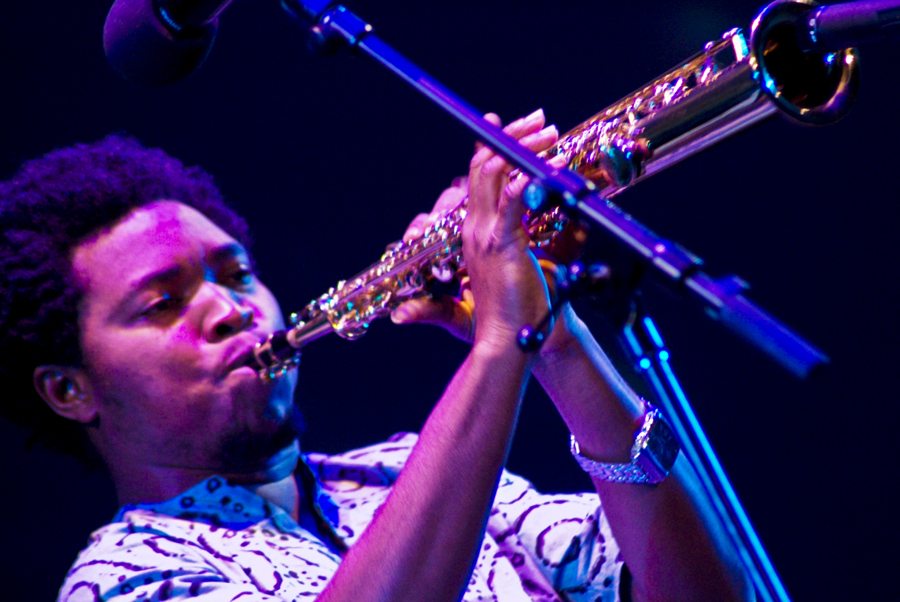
[(425, 538), (672, 548), (668, 540)]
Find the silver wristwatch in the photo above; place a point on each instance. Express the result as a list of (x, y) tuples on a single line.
[(652, 455)]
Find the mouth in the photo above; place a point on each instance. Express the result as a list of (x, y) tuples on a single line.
[(262, 359), (242, 358)]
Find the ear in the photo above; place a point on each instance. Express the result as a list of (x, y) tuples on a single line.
[(67, 391)]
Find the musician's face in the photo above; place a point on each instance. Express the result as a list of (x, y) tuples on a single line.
[(169, 319)]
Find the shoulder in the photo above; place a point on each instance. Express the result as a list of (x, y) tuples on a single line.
[(142, 549), (353, 485), (149, 556)]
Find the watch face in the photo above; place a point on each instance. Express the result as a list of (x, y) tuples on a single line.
[(662, 444)]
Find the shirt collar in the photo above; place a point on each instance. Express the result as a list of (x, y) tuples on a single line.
[(216, 502)]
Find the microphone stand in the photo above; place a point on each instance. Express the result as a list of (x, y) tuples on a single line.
[(721, 298), (616, 292), (333, 25), (644, 344)]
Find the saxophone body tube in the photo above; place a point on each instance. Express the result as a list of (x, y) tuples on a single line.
[(732, 84)]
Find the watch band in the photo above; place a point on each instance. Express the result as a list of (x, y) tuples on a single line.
[(652, 455)]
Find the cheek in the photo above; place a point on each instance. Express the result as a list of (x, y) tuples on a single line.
[(266, 308), (150, 365)]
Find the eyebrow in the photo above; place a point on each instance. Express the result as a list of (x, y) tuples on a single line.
[(162, 276), (227, 251), (165, 275)]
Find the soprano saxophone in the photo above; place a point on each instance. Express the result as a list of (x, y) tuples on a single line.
[(735, 82)]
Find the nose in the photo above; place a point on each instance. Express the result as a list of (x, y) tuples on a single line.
[(226, 314)]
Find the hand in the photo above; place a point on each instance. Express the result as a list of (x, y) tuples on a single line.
[(456, 314), (506, 282)]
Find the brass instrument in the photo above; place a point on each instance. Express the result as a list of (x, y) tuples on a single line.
[(733, 83)]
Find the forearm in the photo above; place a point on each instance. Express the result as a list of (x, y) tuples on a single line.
[(668, 541), (423, 542)]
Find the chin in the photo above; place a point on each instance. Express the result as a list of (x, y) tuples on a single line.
[(280, 422), (266, 421)]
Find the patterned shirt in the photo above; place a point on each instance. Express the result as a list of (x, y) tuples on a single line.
[(221, 542)]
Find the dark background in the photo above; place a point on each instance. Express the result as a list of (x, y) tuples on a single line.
[(330, 157)]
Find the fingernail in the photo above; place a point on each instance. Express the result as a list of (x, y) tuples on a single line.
[(557, 161), (535, 117), (547, 133)]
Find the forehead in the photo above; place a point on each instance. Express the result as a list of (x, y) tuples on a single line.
[(152, 237)]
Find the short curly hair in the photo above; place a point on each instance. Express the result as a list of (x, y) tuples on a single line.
[(48, 207)]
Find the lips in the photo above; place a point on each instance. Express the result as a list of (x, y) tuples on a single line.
[(242, 356)]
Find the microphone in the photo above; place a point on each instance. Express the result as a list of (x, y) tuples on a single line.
[(839, 26), (157, 42)]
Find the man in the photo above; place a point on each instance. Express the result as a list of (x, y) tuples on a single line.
[(130, 312)]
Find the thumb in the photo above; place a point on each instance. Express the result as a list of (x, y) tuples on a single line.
[(450, 313)]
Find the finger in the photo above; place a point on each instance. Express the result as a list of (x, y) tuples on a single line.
[(488, 170), (417, 310), (531, 133), (447, 202), (416, 227), (541, 139), (516, 187), (493, 119), (510, 203), (484, 187), (453, 314), (537, 142), (557, 161), (526, 125), (517, 129)]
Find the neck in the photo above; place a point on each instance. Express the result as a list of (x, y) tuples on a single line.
[(275, 469), (275, 481)]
